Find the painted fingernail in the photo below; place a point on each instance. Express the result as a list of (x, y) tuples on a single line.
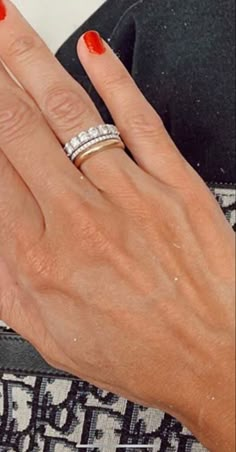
[(94, 42), (3, 11)]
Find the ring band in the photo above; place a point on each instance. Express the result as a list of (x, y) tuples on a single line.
[(108, 144), (92, 143), (93, 136)]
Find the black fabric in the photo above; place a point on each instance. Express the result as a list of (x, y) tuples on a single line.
[(182, 56)]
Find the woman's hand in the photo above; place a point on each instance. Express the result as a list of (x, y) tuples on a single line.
[(121, 273)]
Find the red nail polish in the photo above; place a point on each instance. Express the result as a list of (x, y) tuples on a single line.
[(3, 11), (94, 42)]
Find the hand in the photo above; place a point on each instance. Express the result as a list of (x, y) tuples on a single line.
[(121, 273)]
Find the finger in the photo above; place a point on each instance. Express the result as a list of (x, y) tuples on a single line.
[(21, 219), (66, 106), (24, 52), (140, 126), (33, 149)]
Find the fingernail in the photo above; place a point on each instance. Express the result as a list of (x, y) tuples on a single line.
[(3, 11), (94, 42)]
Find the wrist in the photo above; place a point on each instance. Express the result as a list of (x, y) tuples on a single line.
[(207, 406)]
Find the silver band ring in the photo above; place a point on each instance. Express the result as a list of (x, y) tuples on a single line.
[(85, 140)]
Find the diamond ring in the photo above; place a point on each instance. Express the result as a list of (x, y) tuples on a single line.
[(86, 140)]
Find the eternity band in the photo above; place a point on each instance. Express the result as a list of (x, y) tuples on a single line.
[(86, 139)]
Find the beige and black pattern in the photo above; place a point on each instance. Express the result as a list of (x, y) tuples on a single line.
[(48, 414)]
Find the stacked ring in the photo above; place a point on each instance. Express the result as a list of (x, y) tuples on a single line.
[(95, 139)]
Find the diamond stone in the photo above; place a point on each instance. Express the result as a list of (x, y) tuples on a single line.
[(93, 132), (75, 142), (104, 129), (111, 129), (69, 149), (83, 136), (114, 130)]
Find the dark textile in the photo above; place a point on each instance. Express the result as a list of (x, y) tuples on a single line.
[(182, 56)]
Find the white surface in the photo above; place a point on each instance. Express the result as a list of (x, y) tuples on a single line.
[(55, 20)]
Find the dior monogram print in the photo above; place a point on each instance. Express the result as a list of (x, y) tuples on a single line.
[(39, 414), (42, 414)]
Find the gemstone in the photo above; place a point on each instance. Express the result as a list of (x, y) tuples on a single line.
[(69, 149), (83, 136), (104, 129), (93, 132), (111, 129), (75, 142)]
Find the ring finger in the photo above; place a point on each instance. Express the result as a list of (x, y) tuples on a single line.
[(66, 106)]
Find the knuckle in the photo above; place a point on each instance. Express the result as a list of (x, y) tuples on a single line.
[(87, 223), (17, 117), (93, 237), (40, 265), (24, 46), (66, 107), (115, 81), (141, 126)]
